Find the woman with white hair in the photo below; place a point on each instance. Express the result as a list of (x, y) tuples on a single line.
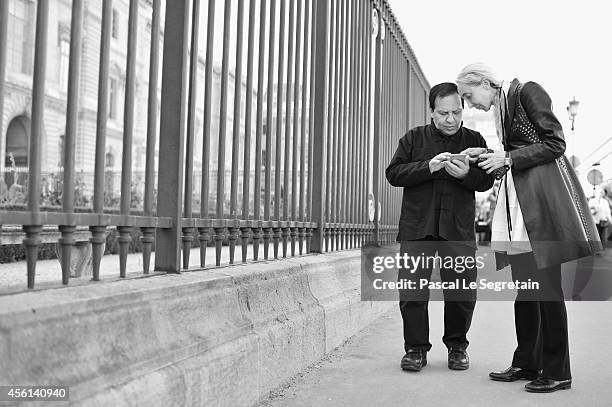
[(541, 219)]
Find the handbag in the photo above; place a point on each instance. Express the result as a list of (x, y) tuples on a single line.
[(567, 173)]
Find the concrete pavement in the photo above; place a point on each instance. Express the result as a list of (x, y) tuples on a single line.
[(366, 370)]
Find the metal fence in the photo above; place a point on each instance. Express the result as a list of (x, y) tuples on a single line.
[(336, 86)]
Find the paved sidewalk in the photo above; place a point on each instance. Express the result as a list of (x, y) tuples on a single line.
[(366, 370)]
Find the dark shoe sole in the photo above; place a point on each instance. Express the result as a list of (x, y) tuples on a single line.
[(564, 387), (510, 379), (413, 368), (458, 367)]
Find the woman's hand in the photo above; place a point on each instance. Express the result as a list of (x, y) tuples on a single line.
[(492, 161), (474, 152)]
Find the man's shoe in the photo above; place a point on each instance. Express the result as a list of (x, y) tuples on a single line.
[(514, 373), (545, 385), (458, 359), (414, 360)]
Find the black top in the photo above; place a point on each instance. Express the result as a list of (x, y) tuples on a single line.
[(437, 204)]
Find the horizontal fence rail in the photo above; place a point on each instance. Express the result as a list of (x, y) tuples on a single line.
[(264, 125)]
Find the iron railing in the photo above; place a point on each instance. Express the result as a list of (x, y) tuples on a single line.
[(335, 83)]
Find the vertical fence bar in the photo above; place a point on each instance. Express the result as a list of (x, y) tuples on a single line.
[(352, 138), (346, 125), (32, 240), (236, 115), (246, 182), (128, 132), (187, 238), (148, 234), (269, 124), (311, 124), (296, 121), (288, 114), (338, 117), (388, 122), (152, 112), (279, 119), (220, 231), (348, 128), (204, 232), (383, 125), (67, 240), (172, 134), (4, 16), (319, 119), (259, 129), (377, 122), (288, 118), (332, 124), (233, 235), (407, 98), (367, 43), (227, 13), (343, 147), (371, 54), (98, 232), (337, 187), (279, 130), (305, 114), (296, 118), (361, 174)]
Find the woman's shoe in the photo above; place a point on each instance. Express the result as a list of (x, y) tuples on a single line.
[(546, 385), (514, 373)]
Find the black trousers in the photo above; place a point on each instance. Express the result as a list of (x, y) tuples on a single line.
[(541, 326), (458, 304)]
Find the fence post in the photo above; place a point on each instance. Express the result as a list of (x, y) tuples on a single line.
[(172, 135), (320, 121), (377, 121), (4, 7)]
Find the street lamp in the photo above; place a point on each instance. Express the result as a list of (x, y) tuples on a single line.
[(572, 111)]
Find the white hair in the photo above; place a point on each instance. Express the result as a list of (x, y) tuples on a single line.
[(473, 75)]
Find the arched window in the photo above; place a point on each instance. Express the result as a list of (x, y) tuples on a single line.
[(17, 141)]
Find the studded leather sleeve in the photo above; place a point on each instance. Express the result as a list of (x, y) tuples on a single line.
[(537, 128)]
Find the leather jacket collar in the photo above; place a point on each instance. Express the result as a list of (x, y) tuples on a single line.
[(511, 100)]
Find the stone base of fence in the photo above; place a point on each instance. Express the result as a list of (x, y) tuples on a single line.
[(220, 337)]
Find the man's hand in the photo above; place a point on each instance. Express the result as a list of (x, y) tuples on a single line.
[(437, 162), (474, 152), (457, 168), (492, 161)]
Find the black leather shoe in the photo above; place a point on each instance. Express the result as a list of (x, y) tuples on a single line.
[(545, 385), (458, 359), (414, 360), (514, 373)]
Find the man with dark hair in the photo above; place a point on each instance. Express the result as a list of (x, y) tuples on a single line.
[(437, 218)]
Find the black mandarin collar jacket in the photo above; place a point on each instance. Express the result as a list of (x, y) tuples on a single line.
[(437, 204)]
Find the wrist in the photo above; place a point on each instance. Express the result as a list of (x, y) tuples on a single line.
[(508, 159)]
